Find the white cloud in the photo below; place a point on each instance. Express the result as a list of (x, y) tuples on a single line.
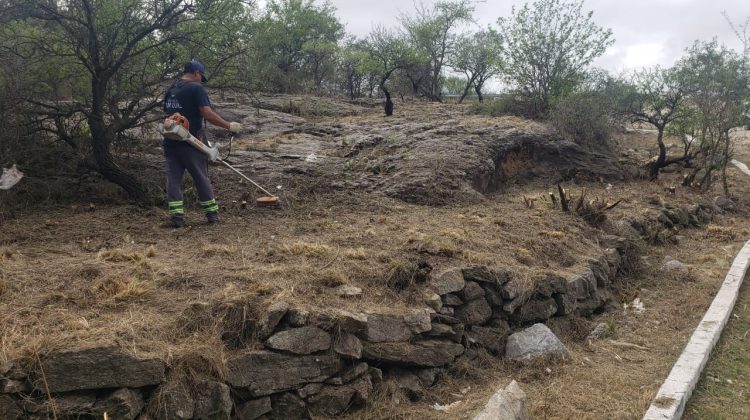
[(643, 55)]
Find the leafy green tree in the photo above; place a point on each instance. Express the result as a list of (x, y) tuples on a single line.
[(116, 55), (478, 57), (548, 45), (432, 32), (357, 68), (453, 85), (295, 44), (656, 100), (716, 84)]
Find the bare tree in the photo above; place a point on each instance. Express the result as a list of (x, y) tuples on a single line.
[(120, 53), (657, 99)]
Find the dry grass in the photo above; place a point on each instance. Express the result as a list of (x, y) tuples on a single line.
[(73, 282)]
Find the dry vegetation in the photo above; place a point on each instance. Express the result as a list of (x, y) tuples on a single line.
[(113, 274)]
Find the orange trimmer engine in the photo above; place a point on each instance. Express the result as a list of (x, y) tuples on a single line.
[(178, 119)]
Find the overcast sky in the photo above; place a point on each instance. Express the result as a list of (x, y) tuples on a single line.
[(646, 32)]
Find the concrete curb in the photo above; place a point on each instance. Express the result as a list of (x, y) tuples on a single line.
[(674, 393)]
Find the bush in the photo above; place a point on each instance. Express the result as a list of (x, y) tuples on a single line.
[(585, 118), (506, 104)]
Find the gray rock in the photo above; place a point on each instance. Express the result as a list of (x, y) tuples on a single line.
[(496, 276), (552, 283), (95, 368), (212, 401), (433, 301), (600, 268), (303, 340), (514, 289), (535, 341), (491, 338), (583, 285), (448, 281), (539, 309), (600, 331), (447, 310), (353, 323), (566, 303), (675, 267), (428, 353), (597, 300), (363, 386), (444, 319), (331, 401), (472, 291), (349, 374), (308, 390), (724, 203), (347, 291), (452, 300), (476, 312), (406, 380), (265, 373), (296, 317), (506, 404), (453, 333), (251, 410), (271, 318), (493, 295), (123, 403), (382, 327), (288, 406), (348, 346)]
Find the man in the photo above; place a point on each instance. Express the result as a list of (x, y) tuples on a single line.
[(188, 97)]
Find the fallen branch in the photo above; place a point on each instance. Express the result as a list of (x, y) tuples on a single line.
[(628, 345)]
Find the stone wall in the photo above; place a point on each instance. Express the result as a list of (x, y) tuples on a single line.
[(288, 362)]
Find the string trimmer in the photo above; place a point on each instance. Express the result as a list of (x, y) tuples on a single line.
[(175, 127)]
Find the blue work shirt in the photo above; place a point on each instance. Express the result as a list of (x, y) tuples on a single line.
[(187, 97)]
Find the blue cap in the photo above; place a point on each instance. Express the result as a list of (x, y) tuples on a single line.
[(195, 65)]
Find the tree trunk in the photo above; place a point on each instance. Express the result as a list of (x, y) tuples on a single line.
[(101, 138), (478, 90), (388, 102), (466, 92), (100, 141), (654, 172)]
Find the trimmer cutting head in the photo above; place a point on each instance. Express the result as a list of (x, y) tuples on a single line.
[(268, 201)]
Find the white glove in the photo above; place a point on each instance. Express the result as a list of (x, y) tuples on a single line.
[(235, 127)]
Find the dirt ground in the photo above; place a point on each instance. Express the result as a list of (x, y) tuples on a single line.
[(113, 273)]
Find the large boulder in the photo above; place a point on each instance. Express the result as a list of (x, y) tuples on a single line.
[(303, 340), (265, 373), (506, 404), (533, 342), (428, 353), (97, 368)]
